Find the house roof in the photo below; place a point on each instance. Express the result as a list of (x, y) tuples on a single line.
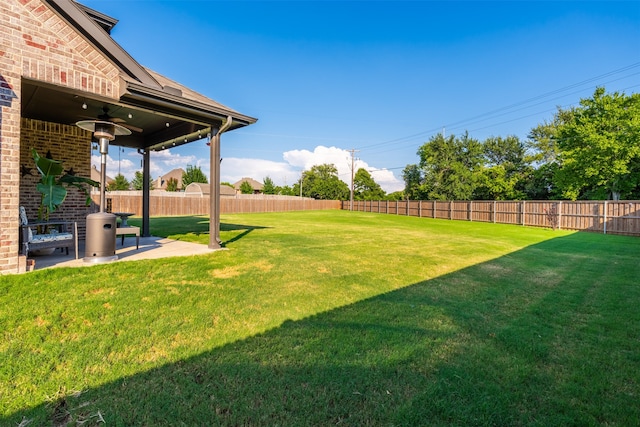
[(164, 179), (254, 184), (162, 112), (95, 175)]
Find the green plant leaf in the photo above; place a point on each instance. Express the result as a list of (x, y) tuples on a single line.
[(52, 194), (47, 167)]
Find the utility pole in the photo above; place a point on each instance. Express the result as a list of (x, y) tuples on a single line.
[(352, 151), (301, 178)]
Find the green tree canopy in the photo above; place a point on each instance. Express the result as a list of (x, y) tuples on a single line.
[(287, 190), (365, 187), (246, 188), (599, 144), (119, 183), (450, 167), (505, 167), (193, 174), (322, 182), (172, 184), (412, 176), (268, 186), (136, 182)]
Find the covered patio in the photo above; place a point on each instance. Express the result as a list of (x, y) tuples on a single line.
[(71, 70)]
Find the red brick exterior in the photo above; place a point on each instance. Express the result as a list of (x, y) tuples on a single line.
[(36, 43)]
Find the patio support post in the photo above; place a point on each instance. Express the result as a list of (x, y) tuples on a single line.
[(214, 199), (146, 191)]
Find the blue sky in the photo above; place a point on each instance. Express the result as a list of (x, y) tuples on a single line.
[(325, 77)]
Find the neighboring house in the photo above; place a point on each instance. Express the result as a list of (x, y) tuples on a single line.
[(58, 66), (95, 175), (161, 182), (257, 186)]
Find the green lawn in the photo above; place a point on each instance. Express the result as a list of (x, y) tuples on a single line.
[(332, 318)]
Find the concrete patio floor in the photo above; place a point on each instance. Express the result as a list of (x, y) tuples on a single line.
[(150, 248)]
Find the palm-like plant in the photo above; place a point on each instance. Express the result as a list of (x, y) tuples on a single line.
[(53, 185)]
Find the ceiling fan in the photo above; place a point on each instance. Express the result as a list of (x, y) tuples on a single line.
[(107, 118)]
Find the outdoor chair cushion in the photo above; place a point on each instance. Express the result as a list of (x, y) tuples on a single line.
[(61, 234)]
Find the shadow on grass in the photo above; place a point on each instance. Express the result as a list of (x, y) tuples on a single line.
[(242, 229), (543, 336), (173, 227)]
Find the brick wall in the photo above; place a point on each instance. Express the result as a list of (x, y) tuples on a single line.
[(38, 44)]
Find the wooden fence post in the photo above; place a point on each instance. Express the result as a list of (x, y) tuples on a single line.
[(560, 216), (419, 208), (434, 208), (604, 223), (522, 207), (493, 212), (470, 211)]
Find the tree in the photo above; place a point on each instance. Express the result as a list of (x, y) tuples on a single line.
[(287, 190), (136, 182), (268, 186), (119, 183), (193, 174), (365, 187), (599, 143), (172, 184), (412, 176), (450, 167), (505, 169), (395, 196), (322, 182), (246, 188)]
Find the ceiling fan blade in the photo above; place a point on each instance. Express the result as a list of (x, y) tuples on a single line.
[(131, 127)]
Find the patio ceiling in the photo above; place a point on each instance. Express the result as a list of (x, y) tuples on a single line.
[(158, 120)]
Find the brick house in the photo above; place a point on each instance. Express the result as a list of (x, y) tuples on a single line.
[(59, 65), (257, 186), (162, 181)]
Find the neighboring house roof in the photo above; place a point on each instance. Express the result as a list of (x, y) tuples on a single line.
[(164, 113), (257, 186), (95, 175), (161, 182), (225, 190)]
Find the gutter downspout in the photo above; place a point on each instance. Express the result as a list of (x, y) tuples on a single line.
[(214, 186)]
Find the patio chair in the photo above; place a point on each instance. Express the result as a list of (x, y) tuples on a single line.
[(53, 234)]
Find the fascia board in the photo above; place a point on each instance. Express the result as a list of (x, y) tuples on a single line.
[(101, 40)]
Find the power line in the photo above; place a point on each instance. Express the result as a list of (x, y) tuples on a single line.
[(504, 110)]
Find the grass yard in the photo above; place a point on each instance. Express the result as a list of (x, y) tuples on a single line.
[(332, 318)]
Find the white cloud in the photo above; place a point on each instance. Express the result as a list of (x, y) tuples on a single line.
[(126, 166), (165, 161)]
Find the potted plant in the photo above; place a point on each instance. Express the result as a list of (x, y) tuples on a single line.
[(53, 185)]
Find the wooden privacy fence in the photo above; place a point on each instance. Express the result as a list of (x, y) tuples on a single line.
[(163, 203), (602, 216)]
